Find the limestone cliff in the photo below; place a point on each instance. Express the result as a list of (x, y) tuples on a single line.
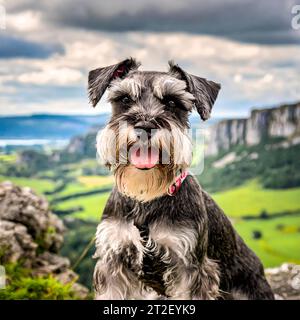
[(283, 121)]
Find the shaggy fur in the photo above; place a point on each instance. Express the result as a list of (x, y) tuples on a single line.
[(151, 245)]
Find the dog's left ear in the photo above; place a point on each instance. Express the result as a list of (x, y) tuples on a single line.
[(99, 79), (204, 91)]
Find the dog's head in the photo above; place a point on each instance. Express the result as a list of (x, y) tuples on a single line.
[(146, 142)]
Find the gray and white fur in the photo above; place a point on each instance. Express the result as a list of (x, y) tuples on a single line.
[(151, 245)]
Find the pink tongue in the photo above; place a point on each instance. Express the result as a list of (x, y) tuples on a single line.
[(145, 158)]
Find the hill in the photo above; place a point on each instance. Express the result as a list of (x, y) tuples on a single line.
[(46, 126)]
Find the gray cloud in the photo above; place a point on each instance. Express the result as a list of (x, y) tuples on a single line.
[(251, 74), (263, 22)]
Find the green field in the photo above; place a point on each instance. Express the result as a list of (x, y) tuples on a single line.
[(38, 185), (93, 206), (280, 241), (252, 199), (85, 184), (8, 158)]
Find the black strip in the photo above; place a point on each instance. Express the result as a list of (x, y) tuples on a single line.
[(167, 309)]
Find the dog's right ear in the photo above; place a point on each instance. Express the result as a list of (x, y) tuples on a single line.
[(204, 91), (99, 79)]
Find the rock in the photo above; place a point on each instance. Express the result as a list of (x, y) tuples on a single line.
[(70, 276), (285, 281), (283, 121), (22, 205), (31, 233), (16, 243), (48, 262), (81, 291)]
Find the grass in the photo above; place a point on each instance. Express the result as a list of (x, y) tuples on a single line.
[(278, 244), (85, 184), (38, 185), (252, 199), (96, 181), (92, 206), (23, 285), (48, 173), (8, 158), (72, 188)]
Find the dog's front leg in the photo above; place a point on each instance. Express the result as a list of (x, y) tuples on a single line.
[(187, 275), (192, 281), (120, 253)]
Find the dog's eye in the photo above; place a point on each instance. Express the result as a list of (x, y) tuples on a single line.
[(126, 100), (174, 102), (170, 102)]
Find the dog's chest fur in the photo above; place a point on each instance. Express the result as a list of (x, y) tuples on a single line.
[(158, 236), (183, 247), (162, 244), (150, 248)]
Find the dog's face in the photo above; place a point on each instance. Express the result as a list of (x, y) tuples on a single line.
[(146, 141)]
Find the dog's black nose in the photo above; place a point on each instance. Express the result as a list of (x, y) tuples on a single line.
[(144, 129)]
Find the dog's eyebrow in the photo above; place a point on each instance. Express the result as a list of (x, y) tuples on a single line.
[(164, 87), (167, 86), (129, 86)]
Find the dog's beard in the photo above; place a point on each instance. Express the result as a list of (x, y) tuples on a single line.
[(143, 185), (175, 150)]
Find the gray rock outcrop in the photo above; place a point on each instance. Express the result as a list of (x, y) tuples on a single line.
[(30, 233), (285, 281)]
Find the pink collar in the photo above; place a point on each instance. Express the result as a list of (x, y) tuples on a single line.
[(173, 188)]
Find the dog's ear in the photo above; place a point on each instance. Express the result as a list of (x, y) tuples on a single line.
[(99, 79), (204, 91)]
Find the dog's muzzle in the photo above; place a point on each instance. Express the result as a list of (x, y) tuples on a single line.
[(143, 155)]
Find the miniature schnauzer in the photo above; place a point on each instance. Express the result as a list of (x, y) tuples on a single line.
[(161, 235)]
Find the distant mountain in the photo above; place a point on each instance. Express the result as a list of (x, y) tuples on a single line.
[(45, 126)]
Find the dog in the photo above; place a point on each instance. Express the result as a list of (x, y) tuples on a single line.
[(161, 235)]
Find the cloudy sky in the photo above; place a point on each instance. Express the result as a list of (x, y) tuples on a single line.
[(48, 47)]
